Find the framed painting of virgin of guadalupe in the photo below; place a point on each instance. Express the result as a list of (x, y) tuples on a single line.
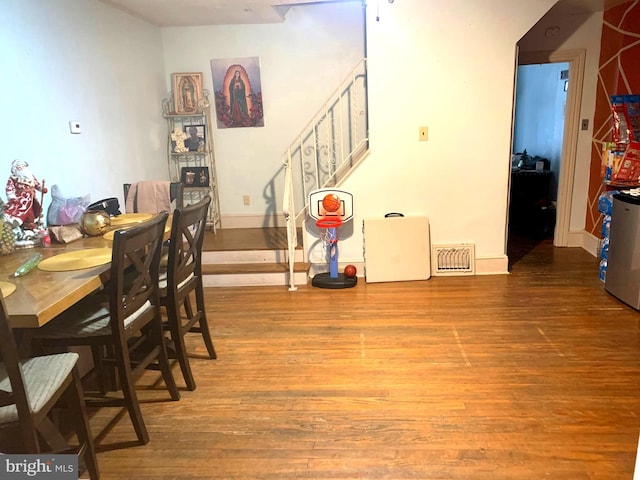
[(238, 92), (187, 92)]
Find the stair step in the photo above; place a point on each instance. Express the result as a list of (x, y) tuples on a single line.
[(226, 268), (250, 275), (247, 239), (250, 257)]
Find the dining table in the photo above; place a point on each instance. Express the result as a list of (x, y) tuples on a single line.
[(67, 273)]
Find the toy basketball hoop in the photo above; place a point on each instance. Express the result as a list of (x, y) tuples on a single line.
[(329, 222), (330, 208)]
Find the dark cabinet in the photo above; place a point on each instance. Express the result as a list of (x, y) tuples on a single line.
[(531, 212)]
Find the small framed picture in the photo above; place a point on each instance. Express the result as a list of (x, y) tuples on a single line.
[(196, 139), (187, 92), (194, 176)]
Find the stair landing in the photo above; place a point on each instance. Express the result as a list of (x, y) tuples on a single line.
[(250, 257)]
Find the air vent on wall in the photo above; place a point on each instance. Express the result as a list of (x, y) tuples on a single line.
[(453, 259)]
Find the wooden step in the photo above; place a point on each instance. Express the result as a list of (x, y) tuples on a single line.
[(227, 268), (253, 274), (241, 239), (250, 257)]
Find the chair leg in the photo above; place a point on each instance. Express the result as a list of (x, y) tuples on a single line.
[(158, 338), (129, 394), (175, 328), (98, 354), (83, 431), (30, 440), (188, 310), (204, 325)]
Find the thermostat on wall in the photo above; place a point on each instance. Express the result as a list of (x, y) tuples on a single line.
[(74, 127)]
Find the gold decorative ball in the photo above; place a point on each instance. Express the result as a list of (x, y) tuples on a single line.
[(95, 222)]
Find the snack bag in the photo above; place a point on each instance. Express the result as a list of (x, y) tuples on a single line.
[(629, 168), (620, 127), (632, 115)]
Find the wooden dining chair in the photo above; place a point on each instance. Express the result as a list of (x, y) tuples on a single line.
[(183, 277), (126, 322), (31, 387)]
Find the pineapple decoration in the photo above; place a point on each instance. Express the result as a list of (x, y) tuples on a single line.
[(7, 237)]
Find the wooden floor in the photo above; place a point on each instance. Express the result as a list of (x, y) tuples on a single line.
[(532, 375)]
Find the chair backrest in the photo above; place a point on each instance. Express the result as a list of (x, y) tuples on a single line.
[(135, 268), (185, 247), (18, 394), (176, 190)]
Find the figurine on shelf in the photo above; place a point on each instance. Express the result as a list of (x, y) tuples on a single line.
[(23, 209), (178, 136)]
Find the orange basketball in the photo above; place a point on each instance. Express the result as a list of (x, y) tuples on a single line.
[(331, 202), (350, 271)]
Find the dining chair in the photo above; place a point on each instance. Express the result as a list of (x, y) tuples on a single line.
[(182, 278), (126, 323), (31, 387), (175, 190)]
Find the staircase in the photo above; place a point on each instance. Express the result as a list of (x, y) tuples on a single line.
[(250, 257), (327, 150)]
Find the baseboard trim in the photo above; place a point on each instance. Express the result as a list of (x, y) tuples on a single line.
[(492, 265), (589, 242)]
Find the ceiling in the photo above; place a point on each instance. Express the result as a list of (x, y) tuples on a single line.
[(183, 13)]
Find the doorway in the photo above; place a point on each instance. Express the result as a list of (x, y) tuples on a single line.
[(541, 93), (573, 61)]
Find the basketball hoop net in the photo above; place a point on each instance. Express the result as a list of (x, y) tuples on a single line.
[(329, 234)]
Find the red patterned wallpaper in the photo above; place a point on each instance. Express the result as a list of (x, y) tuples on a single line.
[(619, 73)]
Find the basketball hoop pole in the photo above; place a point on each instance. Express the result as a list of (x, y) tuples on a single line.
[(330, 208), (330, 224), (332, 237)]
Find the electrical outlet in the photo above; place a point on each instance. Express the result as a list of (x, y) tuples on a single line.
[(423, 134), (246, 200)]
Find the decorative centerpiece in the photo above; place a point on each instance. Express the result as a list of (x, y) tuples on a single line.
[(23, 210), (95, 222)]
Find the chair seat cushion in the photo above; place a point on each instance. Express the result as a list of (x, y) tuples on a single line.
[(88, 318), (43, 376), (163, 283)]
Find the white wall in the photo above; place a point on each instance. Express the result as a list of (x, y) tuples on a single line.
[(301, 62), (450, 67), (447, 66), (81, 60)]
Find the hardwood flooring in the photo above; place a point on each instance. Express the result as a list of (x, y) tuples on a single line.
[(531, 375)]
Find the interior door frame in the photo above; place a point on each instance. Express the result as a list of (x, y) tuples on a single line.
[(576, 60)]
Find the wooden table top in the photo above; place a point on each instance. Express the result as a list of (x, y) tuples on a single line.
[(40, 295)]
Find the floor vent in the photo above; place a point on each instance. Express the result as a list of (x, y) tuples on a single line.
[(453, 259)]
